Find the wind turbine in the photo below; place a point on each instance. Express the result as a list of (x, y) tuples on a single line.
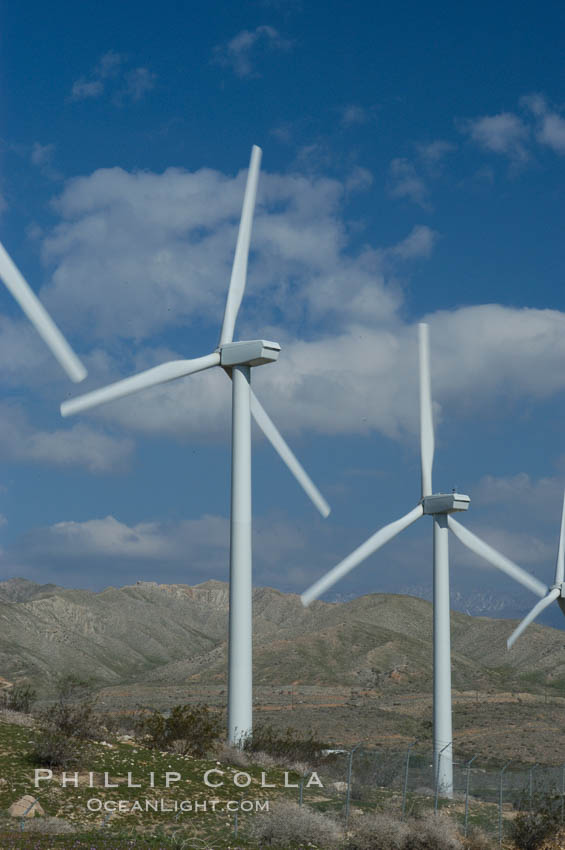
[(440, 506), (39, 317), (237, 359), (555, 592)]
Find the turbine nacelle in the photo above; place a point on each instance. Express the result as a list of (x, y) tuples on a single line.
[(229, 355), (445, 503), (253, 352)]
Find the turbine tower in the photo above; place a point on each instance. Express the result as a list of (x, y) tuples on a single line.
[(555, 593), (441, 507), (237, 359), (39, 317)]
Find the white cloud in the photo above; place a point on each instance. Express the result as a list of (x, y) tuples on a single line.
[(138, 82), (406, 183), (524, 548), (80, 445), (197, 547), (359, 179), (42, 158), (42, 154), (504, 133), (435, 152), (241, 52), (132, 85), (419, 243), (354, 115), (83, 89), (136, 253), (550, 129)]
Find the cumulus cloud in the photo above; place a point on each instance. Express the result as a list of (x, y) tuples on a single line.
[(243, 50), (355, 115), (130, 84), (419, 243), (136, 253), (42, 158), (108, 66), (137, 83), (359, 179), (192, 549), (80, 445), (404, 182), (435, 152), (550, 126), (504, 133)]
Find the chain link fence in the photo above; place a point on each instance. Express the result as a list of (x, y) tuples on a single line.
[(404, 783)]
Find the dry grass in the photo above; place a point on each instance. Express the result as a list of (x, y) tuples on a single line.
[(17, 718), (288, 823)]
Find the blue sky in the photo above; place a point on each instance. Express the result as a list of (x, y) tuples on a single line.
[(413, 163)]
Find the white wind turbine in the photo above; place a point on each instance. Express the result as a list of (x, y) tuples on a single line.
[(555, 592), (237, 359), (39, 317), (441, 506)]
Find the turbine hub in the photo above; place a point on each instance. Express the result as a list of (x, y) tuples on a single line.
[(253, 352), (445, 503)]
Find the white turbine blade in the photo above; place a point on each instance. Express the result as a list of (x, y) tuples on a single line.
[(39, 317), (426, 418), (239, 268), (283, 450), (150, 378), (367, 548), (501, 562), (537, 609), (559, 566)]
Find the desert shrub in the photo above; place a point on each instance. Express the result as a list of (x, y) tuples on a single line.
[(288, 823), (66, 726), (432, 832), (530, 830), (187, 729), (371, 831), (20, 698), (377, 768), (286, 746), (53, 749), (233, 756), (478, 840)]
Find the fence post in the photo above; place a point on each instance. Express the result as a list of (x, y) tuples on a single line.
[(405, 787), (500, 804), (438, 774), (349, 768), (301, 787), (531, 772), (469, 763), (562, 791)]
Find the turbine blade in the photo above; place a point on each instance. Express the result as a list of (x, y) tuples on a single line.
[(150, 378), (426, 418), (367, 548), (501, 562), (559, 566), (536, 610), (39, 317), (283, 450), (239, 268)]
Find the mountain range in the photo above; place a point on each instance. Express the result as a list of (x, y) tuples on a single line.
[(159, 635)]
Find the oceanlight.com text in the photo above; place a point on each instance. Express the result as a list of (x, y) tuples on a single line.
[(160, 804)]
